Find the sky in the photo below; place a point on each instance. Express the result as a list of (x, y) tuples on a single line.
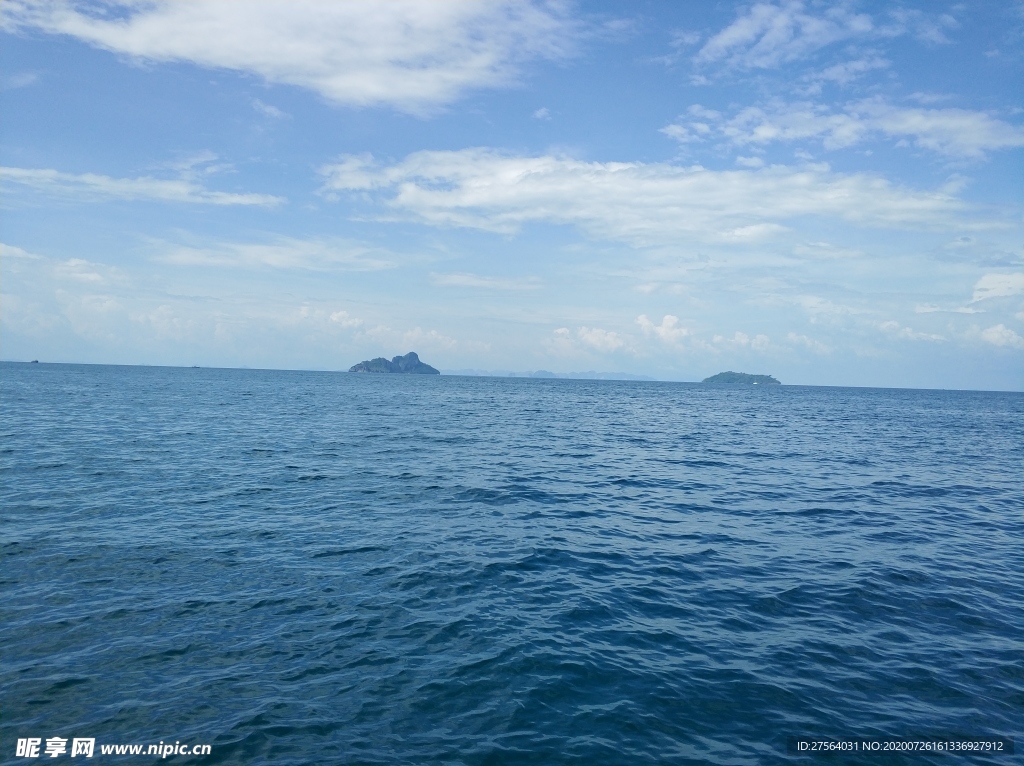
[(828, 192)]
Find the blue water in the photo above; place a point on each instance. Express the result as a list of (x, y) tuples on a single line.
[(305, 567)]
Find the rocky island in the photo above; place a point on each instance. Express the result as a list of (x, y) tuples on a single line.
[(740, 379), (409, 364)]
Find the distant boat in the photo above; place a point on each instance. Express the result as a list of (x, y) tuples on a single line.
[(34, 361)]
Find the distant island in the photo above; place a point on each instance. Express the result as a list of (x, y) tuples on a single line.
[(741, 379), (409, 364)]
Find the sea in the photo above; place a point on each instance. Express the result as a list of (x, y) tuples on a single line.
[(329, 568)]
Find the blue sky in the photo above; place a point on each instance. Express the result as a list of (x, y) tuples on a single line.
[(827, 192)]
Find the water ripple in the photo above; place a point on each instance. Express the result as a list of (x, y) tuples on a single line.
[(314, 567)]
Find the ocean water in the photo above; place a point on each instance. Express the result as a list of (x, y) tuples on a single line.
[(323, 568)]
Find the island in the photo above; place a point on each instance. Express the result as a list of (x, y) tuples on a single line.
[(740, 379), (408, 364)]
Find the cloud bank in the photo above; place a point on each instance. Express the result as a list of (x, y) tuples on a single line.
[(950, 132), (96, 187), (639, 203), (409, 54), (769, 35), (286, 253)]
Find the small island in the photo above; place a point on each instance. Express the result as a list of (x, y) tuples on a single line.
[(408, 364), (740, 379)]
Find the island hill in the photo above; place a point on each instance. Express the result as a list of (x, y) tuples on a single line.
[(740, 379), (408, 364)]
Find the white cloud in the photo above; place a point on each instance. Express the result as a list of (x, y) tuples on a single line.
[(10, 251), (566, 343), (754, 232), (342, 318), (896, 330), (768, 35), (284, 253), (669, 331), (951, 132), (560, 342), (410, 54), (353, 172), (268, 110), (1001, 335), (92, 186), (930, 308), (998, 286), (68, 272), (823, 309), (79, 270), (759, 342), (68, 301), (845, 72), (825, 250), (981, 251), (429, 339), (18, 80), (807, 342), (683, 38), (641, 203), (680, 40), (601, 340), (954, 132), (416, 339), (685, 135), (399, 341), (925, 27), (489, 283), (542, 114), (197, 164)]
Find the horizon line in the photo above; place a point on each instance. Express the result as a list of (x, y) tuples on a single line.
[(523, 376)]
